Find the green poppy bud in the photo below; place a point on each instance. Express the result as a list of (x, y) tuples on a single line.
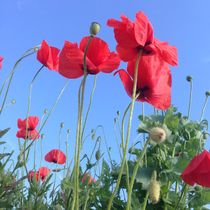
[(98, 154), (94, 28), (189, 78), (207, 93)]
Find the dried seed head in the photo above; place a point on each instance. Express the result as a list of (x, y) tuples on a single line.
[(157, 134), (94, 28), (154, 191)]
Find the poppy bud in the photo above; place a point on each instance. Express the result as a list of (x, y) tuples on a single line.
[(154, 191), (98, 154), (45, 111), (189, 78), (13, 101), (62, 125), (118, 113), (68, 131), (157, 134), (205, 136), (207, 93), (94, 28)]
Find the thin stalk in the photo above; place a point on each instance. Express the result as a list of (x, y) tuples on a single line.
[(89, 106), (128, 131), (204, 107), (26, 54), (50, 112), (134, 174), (184, 190), (86, 200), (145, 200), (79, 128), (190, 99)]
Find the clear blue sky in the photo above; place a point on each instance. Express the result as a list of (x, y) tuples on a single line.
[(25, 23)]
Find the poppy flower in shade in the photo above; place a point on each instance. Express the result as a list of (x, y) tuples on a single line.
[(27, 128), (87, 178), (134, 36), (198, 170), (1, 59), (153, 82), (33, 175), (55, 156), (43, 172), (48, 56), (99, 58)]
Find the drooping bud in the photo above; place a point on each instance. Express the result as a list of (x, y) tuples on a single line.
[(189, 78), (94, 28), (45, 111), (154, 191), (157, 134), (62, 125), (98, 154)]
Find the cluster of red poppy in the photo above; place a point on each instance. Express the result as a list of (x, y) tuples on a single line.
[(154, 77), (27, 130)]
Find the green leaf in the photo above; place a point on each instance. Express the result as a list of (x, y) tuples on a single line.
[(3, 132)]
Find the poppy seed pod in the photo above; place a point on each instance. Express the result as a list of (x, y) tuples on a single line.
[(157, 134), (154, 191), (94, 28), (207, 93)]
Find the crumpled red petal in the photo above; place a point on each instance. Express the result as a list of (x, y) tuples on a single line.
[(1, 59), (56, 156), (32, 123)]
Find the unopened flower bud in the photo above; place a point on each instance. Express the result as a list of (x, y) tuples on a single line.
[(42, 135), (189, 78), (98, 154), (154, 191), (118, 113), (205, 136), (207, 93), (62, 125), (94, 28), (13, 101), (157, 134), (68, 131), (45, 111)]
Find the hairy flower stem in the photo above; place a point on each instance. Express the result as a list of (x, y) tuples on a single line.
[(26, 54), (204, 107), (134, 174), (128, 131), (183, 194), (75, 205), (190, 99), (145, 200)]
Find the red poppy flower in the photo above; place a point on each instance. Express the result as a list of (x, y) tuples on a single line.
[(198, 170), (153, 82), (87, 178), (33, 175), (55, 156), (27, 128), (133, 36), (1, 59), (99, 58), (48, 56), (43, 172)]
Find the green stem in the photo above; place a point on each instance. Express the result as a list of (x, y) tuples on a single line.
[(145, 201), (79, 128), (28, 53), (183, 193), (204, 107), (128, 131), (134, 174), (190, 100)]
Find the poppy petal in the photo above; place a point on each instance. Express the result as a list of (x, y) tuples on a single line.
[(55, 156), (123, 32), (126, 80), (110, 64), (48, 56), (167, 52), (98, 50), (1, 59), (143, 29), (126, 54), (70, 61)]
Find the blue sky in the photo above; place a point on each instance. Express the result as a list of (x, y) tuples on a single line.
[(25, 23)]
